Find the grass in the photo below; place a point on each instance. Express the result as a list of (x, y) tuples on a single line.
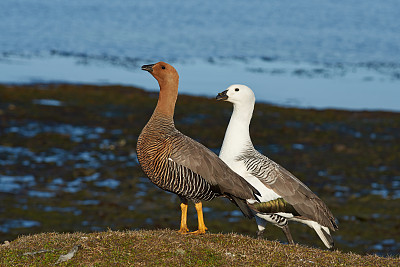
[(346, 155), (169, 248)]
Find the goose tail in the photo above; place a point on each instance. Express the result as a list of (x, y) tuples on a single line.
[(324, 234)]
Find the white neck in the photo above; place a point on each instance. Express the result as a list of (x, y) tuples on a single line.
[(237, 135)]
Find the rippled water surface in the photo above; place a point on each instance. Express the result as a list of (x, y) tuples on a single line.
[(309, 31), (341, 54)]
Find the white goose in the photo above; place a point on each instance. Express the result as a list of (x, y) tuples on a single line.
[(283, 196)]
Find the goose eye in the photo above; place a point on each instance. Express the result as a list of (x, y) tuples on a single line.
[(237, 89), (163, 67)]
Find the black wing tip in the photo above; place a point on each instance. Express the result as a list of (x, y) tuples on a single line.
[(242, 205), (257, 195), (335, 224)]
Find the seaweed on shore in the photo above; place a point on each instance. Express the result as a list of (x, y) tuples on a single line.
[(68, 163)]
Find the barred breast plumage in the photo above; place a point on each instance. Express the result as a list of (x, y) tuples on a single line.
[(155, 147), (178, 164)]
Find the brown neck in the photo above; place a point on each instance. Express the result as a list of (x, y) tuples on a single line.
[(167, 97)]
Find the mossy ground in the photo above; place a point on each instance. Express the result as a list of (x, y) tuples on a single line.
[(169, 248), (349, 159)]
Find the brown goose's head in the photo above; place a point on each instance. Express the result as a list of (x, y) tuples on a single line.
[(165, 74)]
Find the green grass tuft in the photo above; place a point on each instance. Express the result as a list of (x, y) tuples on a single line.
[(169, 248)]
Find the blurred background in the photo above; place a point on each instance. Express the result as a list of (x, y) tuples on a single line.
[(341, 54), (64, 156)]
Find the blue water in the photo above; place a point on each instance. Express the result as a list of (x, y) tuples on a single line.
[(354, 40), (311, 31)]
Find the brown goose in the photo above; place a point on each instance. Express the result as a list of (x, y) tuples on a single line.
[(178, 164), (283, 197)]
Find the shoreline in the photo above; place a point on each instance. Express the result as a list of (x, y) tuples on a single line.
[(302, 85), (150, 91), (67, 154)]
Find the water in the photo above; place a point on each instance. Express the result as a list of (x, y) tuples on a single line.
[(320, 54), (17, 224), (340, 54), (68, 173), (310, 31), (48, 102)]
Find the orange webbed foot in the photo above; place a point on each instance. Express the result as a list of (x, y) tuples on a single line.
[(183, 230), (200, 231)]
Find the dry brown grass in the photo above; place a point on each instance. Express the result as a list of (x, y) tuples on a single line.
[(167, 247)]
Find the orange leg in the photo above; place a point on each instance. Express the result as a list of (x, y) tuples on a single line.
[(184, 229), (202, 227)]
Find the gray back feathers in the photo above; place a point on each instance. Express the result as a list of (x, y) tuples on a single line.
[(292, 190)]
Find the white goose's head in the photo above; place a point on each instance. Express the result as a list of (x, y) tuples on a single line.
[(238, 94)]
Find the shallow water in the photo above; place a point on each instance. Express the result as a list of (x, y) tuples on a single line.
[(80, 173), (329, 54)]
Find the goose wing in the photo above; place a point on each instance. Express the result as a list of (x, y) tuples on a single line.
[(292, 190), (199, 159)]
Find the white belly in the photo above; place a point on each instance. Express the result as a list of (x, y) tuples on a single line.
[(266, 193)]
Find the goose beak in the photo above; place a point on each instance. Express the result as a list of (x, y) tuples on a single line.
[(148, 68), (222, 95)]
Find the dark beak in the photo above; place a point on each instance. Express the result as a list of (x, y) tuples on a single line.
[(222, 95), (148, 68)]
